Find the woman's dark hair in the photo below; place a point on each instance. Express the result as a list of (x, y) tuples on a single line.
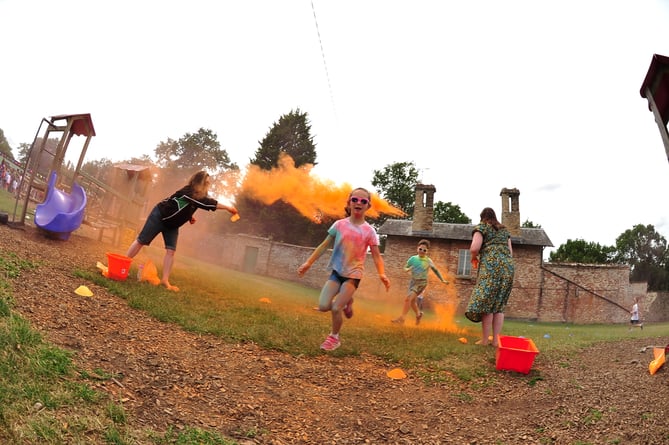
[(488, 216), (198, 183)]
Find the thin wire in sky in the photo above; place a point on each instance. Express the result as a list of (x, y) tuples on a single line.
[(327, 74)]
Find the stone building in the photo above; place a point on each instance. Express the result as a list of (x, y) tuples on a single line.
[(576, 293)]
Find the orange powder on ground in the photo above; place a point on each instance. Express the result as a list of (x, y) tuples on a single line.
[(440, 312), (445, 308)]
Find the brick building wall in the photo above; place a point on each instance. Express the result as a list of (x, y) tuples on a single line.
[(548, 292), (445, 255), (654, 306), (585, 293), (263, 256)]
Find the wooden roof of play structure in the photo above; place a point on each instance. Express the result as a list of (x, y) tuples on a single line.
[(80, 124)]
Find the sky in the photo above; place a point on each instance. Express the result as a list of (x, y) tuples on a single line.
[(481, 95)]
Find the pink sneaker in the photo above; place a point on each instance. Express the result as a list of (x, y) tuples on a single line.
[(348, 309), (331, 343)]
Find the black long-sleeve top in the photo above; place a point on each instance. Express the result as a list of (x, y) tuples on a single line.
[(179, 208)]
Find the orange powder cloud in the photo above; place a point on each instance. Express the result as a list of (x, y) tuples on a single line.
[(311, 196), (444, 309)]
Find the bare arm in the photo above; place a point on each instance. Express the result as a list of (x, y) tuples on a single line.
[(477, 242), (219, 206), (322, 247), (380, 266), (230, 209), (436, 271)]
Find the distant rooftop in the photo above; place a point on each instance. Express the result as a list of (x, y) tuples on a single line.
[(462, 232)]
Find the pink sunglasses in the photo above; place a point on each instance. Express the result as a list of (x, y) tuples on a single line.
[(362, 201)]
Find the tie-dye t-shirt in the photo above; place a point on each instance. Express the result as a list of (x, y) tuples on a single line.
[(350, 247), (419, 267)]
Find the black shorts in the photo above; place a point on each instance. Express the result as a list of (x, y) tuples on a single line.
[(334, 276)]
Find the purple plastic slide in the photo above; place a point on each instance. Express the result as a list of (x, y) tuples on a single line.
[(61, 213)]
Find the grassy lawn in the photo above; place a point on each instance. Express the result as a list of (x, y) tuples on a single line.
[(279, 315), (8, 204), (239, 307)]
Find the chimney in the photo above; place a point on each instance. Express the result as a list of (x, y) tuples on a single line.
[(423, 212), (511, 211)]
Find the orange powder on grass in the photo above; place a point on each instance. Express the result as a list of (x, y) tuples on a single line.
[(440, 309), (444, 308), (441, 305)]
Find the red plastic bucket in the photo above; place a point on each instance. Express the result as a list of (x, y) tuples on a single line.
[(515, 354), (118, 266)]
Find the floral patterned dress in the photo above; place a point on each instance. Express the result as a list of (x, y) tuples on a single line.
[(495, 274)]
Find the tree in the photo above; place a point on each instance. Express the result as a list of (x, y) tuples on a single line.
[(280, 220), (191, 153), (641, 244), (5, 149), (396, 183), (530, 225), (641, 248), (447, 212), (290, 135), (98, 169), (22, 152), (645, 251), (194, 152), (580, 251)]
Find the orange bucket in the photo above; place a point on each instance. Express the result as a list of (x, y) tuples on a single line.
[(118, 265)]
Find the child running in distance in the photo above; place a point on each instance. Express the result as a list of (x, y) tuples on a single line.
[(173, 212), (418, 266), (635, 320), (350, 238)]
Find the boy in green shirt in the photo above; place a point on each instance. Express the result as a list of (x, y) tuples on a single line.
[(418, 266)]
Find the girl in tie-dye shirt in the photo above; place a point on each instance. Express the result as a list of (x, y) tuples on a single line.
[(349, 238)]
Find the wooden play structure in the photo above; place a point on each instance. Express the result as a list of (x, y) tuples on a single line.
[(119, 203), (44, 178), (65, 197)]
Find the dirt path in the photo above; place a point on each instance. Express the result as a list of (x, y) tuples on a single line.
[(167, 377)]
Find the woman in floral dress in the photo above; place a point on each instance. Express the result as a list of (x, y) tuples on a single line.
[(491, 249)]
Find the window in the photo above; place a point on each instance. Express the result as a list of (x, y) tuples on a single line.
[(464, 263)]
